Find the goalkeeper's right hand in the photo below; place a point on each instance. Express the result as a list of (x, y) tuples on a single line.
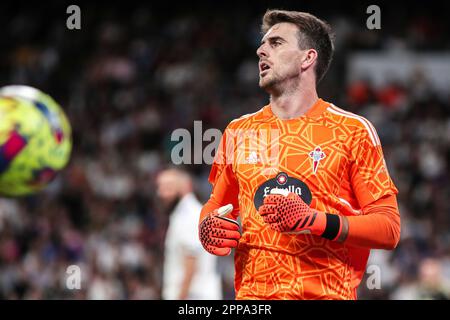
[(219, 234)]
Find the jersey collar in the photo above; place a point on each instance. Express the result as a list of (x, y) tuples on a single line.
[(313, 113)]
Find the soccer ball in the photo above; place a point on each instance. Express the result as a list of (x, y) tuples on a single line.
[(35, 140)]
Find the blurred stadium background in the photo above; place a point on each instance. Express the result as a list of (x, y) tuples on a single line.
[(135, 72)]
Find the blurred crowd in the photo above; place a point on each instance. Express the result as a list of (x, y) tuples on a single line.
[(133, 74)]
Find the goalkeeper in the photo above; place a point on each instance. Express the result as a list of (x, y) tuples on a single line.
[(307, 179)]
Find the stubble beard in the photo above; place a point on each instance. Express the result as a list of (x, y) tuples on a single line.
[(276, 85), (269, 84)]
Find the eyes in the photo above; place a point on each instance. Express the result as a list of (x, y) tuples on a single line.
[(276, 43)]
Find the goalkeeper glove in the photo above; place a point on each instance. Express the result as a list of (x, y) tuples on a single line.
[(287, 212), (219, 234)]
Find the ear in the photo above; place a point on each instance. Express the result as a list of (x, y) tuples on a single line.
[(309, 57)]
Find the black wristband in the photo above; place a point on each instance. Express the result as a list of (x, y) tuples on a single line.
[(333, 226)]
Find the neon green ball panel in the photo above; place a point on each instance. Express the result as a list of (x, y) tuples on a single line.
[(35, 141)]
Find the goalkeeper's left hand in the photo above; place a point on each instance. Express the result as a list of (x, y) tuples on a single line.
[(287, 212)]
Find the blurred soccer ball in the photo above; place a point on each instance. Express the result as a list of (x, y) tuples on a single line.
[(35, 140)]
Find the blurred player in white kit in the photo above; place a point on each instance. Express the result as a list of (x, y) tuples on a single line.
[(190, 273)]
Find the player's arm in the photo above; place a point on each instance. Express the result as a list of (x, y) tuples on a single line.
[(225, 191), (189, 267), (377, 228), (218, 230)]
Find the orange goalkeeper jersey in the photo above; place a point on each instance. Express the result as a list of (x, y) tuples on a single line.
[(330, 157)]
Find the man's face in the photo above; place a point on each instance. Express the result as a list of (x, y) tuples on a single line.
[(167, 187), (279, 56)]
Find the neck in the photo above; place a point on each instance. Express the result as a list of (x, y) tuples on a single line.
[(291, 104)]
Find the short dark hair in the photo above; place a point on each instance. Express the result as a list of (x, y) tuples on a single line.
[(313, 33)]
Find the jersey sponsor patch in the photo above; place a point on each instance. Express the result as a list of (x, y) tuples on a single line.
[(282, 181)]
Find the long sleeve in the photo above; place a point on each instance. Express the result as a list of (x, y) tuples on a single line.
[(225, 186), (378, 227), (225, 191)]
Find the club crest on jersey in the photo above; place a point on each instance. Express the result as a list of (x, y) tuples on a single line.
[(316, 155)]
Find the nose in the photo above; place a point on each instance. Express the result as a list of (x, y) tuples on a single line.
[(261, 51)]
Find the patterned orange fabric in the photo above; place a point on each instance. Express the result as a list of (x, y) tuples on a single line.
[(330, 157)]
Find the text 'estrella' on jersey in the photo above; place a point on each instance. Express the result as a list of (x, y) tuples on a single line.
[(282, 181)]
